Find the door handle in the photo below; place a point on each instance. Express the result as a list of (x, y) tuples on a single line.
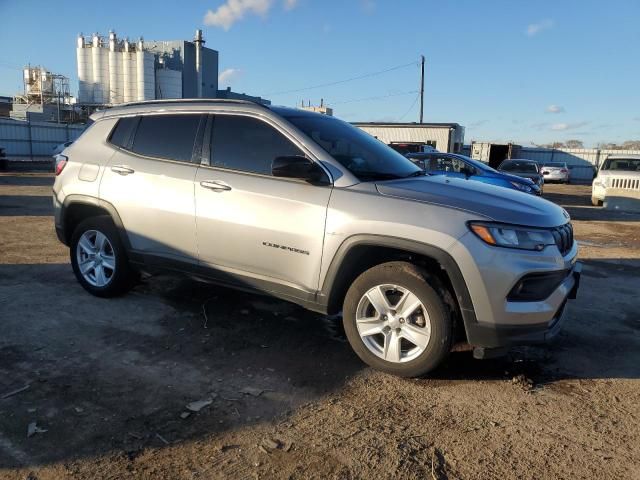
[(122, 170), (215, 185)]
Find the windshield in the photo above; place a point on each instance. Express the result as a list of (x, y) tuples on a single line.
[(556, 165), (516, 166), (625, 164), (363, 155)]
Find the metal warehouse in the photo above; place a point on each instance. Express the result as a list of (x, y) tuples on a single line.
[(413, 137)]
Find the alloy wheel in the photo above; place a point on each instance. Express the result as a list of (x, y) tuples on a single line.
[(393, 323), (96, 258)]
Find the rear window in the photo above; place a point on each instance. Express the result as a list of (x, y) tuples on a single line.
[(523, 167), (122, 133), (167, 136)]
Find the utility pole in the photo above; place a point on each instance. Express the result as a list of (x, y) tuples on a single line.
[(421, 87)]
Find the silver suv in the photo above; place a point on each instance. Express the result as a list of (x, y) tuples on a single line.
[(310, 209)]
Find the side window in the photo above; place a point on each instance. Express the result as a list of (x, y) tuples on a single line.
[(121, 135), (167, 136), (449, 164), (247, 144)]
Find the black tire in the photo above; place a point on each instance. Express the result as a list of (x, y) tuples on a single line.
[(596, 202), (123, 276), (427, 290)]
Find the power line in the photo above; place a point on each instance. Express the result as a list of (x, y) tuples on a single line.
[(339, 82), (379, 97), (410, 108)]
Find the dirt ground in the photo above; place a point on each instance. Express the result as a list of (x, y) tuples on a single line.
[(109, 380)]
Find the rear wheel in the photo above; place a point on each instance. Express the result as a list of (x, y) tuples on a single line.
[(98, 258), (396, 321)]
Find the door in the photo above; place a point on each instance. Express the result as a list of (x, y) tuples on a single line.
[(253, 226), (150, 182)]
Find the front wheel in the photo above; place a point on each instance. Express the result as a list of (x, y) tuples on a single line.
[(596, 202), (396, 321), (98, 258)]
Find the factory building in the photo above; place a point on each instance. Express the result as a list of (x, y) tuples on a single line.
[(414, 137), (45, 97), (113, 71)]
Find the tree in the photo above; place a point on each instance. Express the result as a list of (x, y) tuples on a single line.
[(574, 144), (631, 145)]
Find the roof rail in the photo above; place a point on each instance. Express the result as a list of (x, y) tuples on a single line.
[(188, 100)]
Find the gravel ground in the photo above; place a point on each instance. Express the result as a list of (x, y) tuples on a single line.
[(109, 380)]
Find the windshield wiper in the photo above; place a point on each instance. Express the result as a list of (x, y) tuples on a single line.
[(375, 175)]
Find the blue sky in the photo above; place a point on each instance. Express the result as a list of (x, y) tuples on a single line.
[(525, 71)]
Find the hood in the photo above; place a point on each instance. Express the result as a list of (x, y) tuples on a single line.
[(620, 173), (496, 203), (516, 178), (529, 175)]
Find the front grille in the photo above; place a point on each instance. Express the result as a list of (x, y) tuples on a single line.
[(624, 183), (563, 236)]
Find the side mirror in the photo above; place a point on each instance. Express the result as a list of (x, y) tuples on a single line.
[(300, 167)]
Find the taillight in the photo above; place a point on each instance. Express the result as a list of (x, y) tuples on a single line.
[(61, 162), (564, 170)]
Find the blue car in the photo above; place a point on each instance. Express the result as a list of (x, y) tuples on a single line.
[(454, 165)]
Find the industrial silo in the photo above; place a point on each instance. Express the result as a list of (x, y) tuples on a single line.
[(85, 72)]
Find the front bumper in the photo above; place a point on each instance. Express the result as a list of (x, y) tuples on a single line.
[(497, 336), (491, 273)]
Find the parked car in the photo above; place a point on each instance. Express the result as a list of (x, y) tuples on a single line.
[(619, 172), (525, 169), (460, 166), (555, 172), (59, 148), (311, 209)]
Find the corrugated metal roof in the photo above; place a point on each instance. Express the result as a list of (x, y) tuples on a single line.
[(411, 124)]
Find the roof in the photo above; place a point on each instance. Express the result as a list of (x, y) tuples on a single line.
[(190, 101), (620, 156), (406, 125), (173, 104)]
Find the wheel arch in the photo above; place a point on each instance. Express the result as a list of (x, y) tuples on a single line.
[(361, 252), (77, 208)]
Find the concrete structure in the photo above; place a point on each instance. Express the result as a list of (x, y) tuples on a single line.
[(113, 71), (413, 137), (323, 109), (45, 97)]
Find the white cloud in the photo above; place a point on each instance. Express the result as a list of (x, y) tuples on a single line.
[(229, 76), (535, 28), (568, 126), (368, 5), (233, 11), (478, 123), (554, 109)]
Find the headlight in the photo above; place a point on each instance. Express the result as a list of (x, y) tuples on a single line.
[(521, 186), (511, 236)]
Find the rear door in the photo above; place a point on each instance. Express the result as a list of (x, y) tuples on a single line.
[(150, 182), (252, 225)]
